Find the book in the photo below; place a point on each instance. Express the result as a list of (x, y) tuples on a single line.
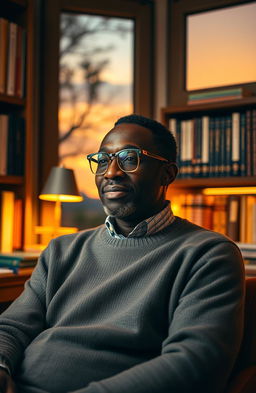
[(3, 143), (3, 53), (253, 133), (18, 260), (205, 145), (218, 95), (233, 222), (242, 143), (220, 214), (235, 144), (18, 224), (6, 220), (13, 28)]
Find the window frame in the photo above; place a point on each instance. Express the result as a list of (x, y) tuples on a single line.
[(176, 68), (141, 12)]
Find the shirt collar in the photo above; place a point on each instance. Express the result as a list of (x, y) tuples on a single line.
[(146, 227)]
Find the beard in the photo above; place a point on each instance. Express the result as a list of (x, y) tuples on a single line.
[(121, 211)]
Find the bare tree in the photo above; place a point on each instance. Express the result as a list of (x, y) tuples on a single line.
[(77, 35)]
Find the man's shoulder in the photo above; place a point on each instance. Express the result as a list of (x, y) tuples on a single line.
[(78, 238), (192, 231)]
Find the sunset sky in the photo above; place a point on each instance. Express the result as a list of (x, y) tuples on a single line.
[(221, 47)]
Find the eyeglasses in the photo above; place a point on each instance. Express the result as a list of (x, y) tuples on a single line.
[(128, 160)]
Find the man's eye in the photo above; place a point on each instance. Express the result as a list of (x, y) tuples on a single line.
[(102, 161)]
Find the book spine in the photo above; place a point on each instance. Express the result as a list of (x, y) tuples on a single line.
[(222, 171), (11, 145), (183, 150), (7, 218), (217, 148), (12, 58), (3, 143), (205, 146), (18, 224), (212, 146), (18, 62), (3, 53), (233, 223), (12, 264), (228, 145), (213, 99), (243, 144), (248, 131), (235, 144), (253, 133)]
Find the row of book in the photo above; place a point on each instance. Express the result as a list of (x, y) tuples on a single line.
[(13, 57), (12, 142), (231, 215), (11, 221), (216, 146)]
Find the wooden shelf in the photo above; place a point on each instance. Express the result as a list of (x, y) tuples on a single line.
[(215, 182), (12, 100), (14, 3), (202, 109), (11, 286), (14, 180)]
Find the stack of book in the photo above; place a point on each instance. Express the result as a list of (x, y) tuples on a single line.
[(218, 95), (18, 260), (231, 215), (12, 142), (216, 145), (12, 55)]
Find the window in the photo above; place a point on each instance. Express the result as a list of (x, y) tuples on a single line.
[(221, 47), (96, 88)]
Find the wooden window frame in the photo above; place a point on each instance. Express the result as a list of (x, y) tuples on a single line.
[(176, 68)]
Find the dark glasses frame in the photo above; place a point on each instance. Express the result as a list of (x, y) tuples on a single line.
[(111, 156)]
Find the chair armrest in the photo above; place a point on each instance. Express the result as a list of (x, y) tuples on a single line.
[(244, 382)]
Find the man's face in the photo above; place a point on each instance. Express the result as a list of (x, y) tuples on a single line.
[(137, 195)]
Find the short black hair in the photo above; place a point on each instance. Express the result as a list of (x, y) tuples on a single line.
[(163, 137)]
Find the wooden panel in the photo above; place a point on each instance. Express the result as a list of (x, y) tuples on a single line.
[(11, 285)]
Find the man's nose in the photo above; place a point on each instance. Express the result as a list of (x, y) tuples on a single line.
[(113, 169)]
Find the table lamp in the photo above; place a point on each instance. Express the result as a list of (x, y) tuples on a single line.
[(60, 187)]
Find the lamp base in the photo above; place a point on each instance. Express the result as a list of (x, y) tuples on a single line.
[(53, 231)]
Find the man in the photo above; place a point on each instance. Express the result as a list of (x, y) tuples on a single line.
[(148, 303)]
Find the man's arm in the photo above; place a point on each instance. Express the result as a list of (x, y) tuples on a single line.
[(24, 319), (204, 334)]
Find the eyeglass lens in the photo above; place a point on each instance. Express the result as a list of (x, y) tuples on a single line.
[(128, 161)]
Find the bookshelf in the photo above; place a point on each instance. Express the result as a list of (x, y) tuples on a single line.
[(19, 175), (187, 192)]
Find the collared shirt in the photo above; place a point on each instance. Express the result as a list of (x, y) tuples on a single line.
[(147, 227)]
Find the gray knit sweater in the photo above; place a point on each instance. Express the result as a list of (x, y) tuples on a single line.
[(140, 315)]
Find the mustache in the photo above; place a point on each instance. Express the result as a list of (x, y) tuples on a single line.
[(115, 186)]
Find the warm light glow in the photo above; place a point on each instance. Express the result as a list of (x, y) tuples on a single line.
[(61, 198), (230, 191)]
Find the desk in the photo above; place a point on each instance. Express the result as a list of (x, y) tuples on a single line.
[(11, 286)]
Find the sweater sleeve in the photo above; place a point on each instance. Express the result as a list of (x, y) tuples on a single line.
[(25, 317), (205, 331)]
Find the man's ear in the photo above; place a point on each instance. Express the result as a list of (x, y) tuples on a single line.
[(169, 173)]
